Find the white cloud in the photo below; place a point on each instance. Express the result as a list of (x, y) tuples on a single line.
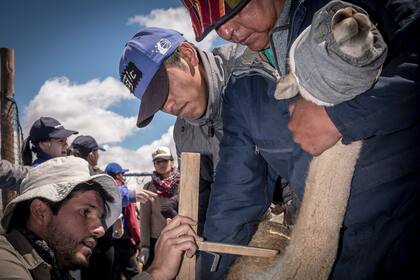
[(83, 107), (139, 160), (174, 18)]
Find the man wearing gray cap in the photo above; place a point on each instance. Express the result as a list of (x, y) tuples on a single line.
[(52, 227)]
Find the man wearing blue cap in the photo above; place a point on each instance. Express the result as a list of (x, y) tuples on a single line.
[(126, 230), (170, 74)]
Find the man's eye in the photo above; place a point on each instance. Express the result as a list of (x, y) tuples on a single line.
[(85, 212)]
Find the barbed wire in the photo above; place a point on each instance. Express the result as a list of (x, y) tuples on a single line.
[(17, 128)]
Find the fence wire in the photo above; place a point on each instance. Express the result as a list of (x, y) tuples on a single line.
[(17, 135)]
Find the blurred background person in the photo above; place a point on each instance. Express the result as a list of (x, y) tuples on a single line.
[(126, 233), (153, 214), (102, 259), (47, 139), (86, 147)]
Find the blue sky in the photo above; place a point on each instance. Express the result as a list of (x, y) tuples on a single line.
[(68, 50)]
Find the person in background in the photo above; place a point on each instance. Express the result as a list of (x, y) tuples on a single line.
[(86, 147), (102, 259), (153, 214), (47, 139), (126, 233)]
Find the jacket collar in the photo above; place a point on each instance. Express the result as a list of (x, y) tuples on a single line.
[(31, 259), (212, 70), (41, 157), (252, 62)]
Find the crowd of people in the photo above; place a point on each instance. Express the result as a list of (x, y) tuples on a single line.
[(252, 146), (115, 249)]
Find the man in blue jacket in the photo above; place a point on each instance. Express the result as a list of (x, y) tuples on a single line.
[(379, 236)]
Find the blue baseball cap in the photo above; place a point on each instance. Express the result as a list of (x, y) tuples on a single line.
[(114, 168), (142, 71)]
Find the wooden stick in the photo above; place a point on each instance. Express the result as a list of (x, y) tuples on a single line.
[(188, 204), (236, 249)]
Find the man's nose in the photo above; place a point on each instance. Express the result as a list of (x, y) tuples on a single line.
[(226, 30), (98, 229), (168, 106)]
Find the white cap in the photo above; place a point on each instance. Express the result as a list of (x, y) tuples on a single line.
[(56, 178), (163, 153)]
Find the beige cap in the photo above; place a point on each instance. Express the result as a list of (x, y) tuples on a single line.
[(56, 178), (163, 153)]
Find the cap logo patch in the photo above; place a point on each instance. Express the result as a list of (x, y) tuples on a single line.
[(58, 126), (131, 76), (163, 45)]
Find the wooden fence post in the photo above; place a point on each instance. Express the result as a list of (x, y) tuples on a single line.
[(7, 113), (188, 204)]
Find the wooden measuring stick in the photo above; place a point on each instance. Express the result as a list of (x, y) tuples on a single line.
[(236, 249), (188, 204)]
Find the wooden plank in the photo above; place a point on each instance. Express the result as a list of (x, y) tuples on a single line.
[(188, 204), (236, 249)]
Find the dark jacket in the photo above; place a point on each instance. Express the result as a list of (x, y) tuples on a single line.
[(380, 230)]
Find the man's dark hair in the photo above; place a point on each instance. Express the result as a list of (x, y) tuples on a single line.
[(22, 212), (79, 153), (175, 58), (28, 149)]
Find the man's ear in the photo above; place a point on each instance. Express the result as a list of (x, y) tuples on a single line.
[(189, 53), (40, 212)]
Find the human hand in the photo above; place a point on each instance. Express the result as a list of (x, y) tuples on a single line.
[(175, 239), (144, 195), (92, 158), (311, 127)]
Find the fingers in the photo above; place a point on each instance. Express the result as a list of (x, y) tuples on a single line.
[(187, 243), (180, 226), (178, 220), (150, 193), (145, 195), (181, 230), (184, 243)]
